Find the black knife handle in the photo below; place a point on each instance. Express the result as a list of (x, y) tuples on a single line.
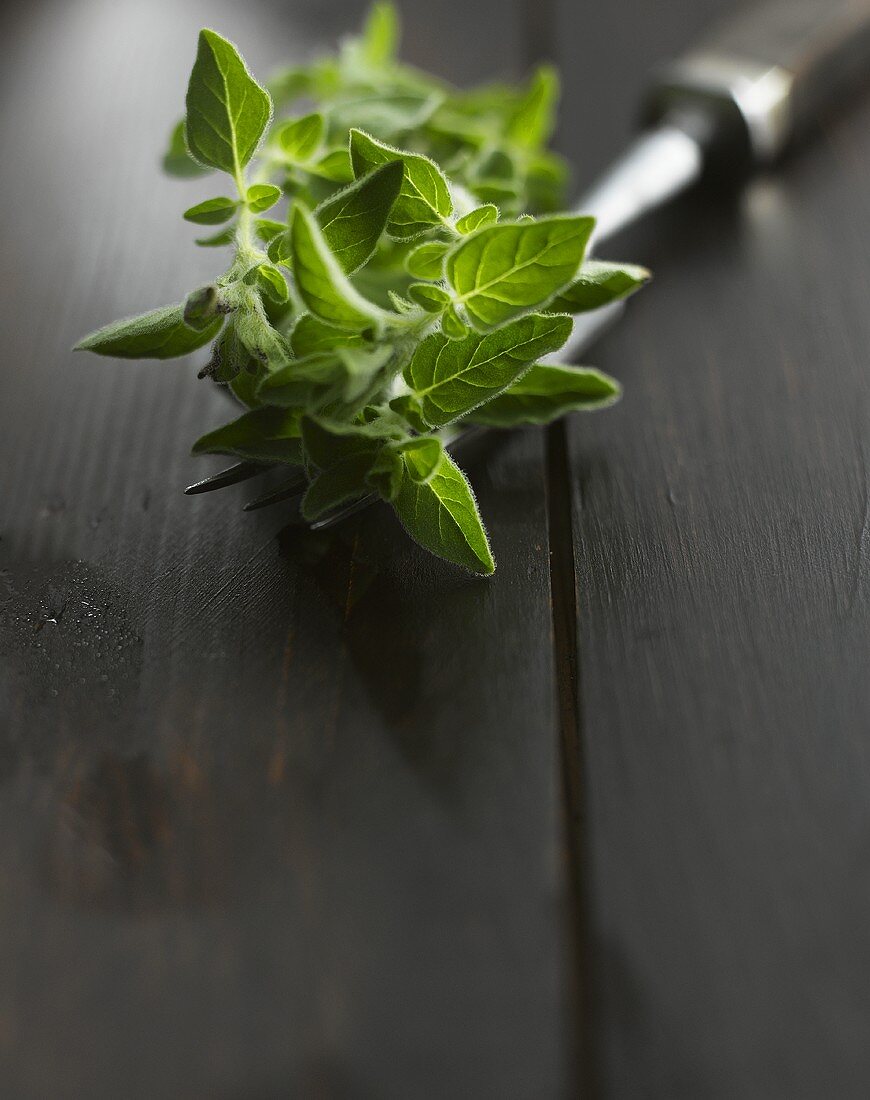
[(764, 76)]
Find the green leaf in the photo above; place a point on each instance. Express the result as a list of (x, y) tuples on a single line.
[(321, 283), (229, 356), (385, 475), (212, 211), (598, 284), (441, 515), (244, 388), (271, 282), (201, 307), (300, 138), (263, 341), (502, 270), (426, 261), (177, 161), (353, 219), (422, 457), (160, 334), (408, 408), (262, 435), (327, 448), (451, 377), (341, 483), (227, 110), (477, 218), (380, 37), (534, 117), (311, 334), (548, 391), (341, 374), (222, 237), (432, 298), (262, 197), (267, 229), (424, 199), (452, 325), (334, 166), (384, 116)]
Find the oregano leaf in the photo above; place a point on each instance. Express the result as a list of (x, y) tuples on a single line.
[(158, 334), (222, 237), (424, 199), (432, 298), (261, 435), (227, 110), (441, 515), (341, 483), (426, 261), (547, 391), (262, 197), (449, 378), (477, 218), (503, 270), (300, 138), (320, 280), (599, 283), (353, 220), (212, 211), (177, 161)]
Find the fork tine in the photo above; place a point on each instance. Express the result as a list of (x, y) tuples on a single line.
[(343, 513), (231, 476), (291, 488)]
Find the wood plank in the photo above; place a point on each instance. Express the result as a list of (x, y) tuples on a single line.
[(720, 523), (278, 815)]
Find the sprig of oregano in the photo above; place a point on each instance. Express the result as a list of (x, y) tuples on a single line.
[(419, 276)]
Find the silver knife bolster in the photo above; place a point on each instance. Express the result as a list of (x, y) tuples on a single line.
[(765, 74)]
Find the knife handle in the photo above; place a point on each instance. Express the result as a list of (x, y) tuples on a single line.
[(764, 76)]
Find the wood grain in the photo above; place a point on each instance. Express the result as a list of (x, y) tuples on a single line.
[(279, 814), (720, 541)]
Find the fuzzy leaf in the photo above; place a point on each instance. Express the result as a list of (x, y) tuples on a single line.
[(262, 435), (426, 261), (335, 166), (451, 377), (432, 298), (546, 392), (222, 237), (327, 448), (321, 283), (380, 36), (229, 356), (503, 270), (212, 211), (311, 334), (422, 457), (477, 218), (272, 283), (424, 199), (177, 161), (353, 220), (441, 515), (534, 117), (227, 110), (262, 197), (599, 283), (341, 483), (160, 334), (300, 138)]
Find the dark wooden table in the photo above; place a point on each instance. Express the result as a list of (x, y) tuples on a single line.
[(299, 817)]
